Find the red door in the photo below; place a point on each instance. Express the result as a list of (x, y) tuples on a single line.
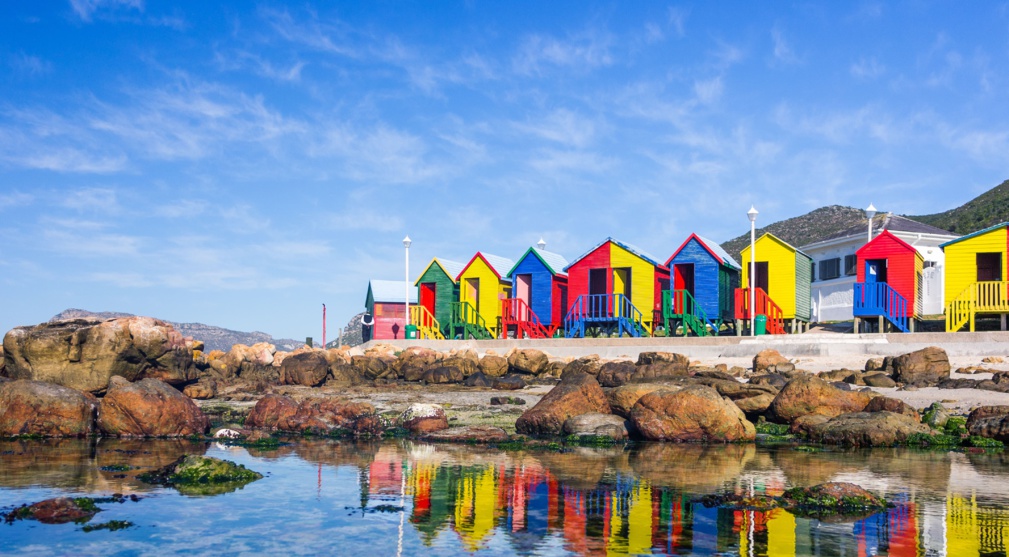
[(428, 295)]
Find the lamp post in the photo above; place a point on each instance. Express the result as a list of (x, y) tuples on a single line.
[(870, 212), (406, 284), (752, 214)]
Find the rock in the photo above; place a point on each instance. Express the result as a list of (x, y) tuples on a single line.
[(467, 362), (502, 400), (678, 361), (371, 367), (60, 510), (553, 370), (846, 375), (958, 384), (875, 364), (886, 404), (273, 412), (935, 416), (328, 416), (622, 399), (494, 366), (841, 385), (878, 380), (479, 379), (443, 374), (989, 421), (203, 389), (773, 379), (756, 404), (657, 371), (868, 429), (424, 418), (587, 364), (804, 425), (766, 358), (510, 382), (714, 374), (85, 354), (342, 372), (149, 408), (202, 475), (925, 367), (614, 374), (411, 363), (833, 498), (737, 371), (45, 409), (734, 390), (694, 413), (469, 434), (308, 368), (575, 395), (807, 394), (527, 360), (252, 363), (596, 424), (784, 368), (992, 360)]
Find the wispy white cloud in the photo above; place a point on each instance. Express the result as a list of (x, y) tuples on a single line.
[(86, 9), (553, 160), (124, 11), (379, 153), (561, 126), (15, 199), (782, 50), (708, 91), (587, 50), (678, 21), (867, 68), (364, 218), (29, 65)]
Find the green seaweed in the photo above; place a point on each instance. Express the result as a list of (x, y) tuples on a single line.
[(957, 425), (769, 428), (590, 440), (983, 442), (111, 526), (930, 440)]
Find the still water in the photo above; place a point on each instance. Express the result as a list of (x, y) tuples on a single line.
[(406, 498)]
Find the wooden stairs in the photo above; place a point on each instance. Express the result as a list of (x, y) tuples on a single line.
[(764, 306), (875, 299), (679, 306), (517, 316), (427, 326), (979, 297), (466, 323), (609, 313)]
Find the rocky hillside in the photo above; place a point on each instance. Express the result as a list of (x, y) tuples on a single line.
[(351, 333), (987, 209), (214, 338), (804, 229)]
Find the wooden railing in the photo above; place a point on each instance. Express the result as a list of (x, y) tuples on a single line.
[(872, 299), (764, 306), (589, 308), (680, 304), (979, 297), (427, 326), (464, 314), (515, 312)]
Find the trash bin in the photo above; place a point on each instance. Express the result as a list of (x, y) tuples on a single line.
[(759, 325), (411, 332)]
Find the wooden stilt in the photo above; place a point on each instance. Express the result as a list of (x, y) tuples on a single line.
[(856, 325)]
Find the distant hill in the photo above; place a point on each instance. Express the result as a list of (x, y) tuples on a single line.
[(214, 338), (351, 333), (805, 229), (988, 209)]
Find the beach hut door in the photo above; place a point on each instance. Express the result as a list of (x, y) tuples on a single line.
[(524, 291), (473, 293), (428, 295), (683, 279), (989, 267), (875, 270), (761, 277), (598, 286)]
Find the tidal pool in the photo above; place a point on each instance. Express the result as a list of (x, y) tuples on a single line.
[(407, 498)]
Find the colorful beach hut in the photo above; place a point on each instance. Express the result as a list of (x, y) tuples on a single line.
[(539, 294), (783, 277), (437, 290), (385, 310), (888, 282), (615, 288), (702, 291), (976, 281), (483, 284)]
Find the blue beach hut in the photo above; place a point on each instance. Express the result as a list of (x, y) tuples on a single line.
[(703, 279)]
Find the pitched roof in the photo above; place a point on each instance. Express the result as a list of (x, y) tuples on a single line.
[(713, 248), (629, 247), (890, 236), (780, 241), (554, 262), (891, 222), (451, 268), (500, 265), (391, 291), (973, 234)]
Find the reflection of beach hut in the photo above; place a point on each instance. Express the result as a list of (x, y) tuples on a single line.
[(616, 288), (437, 290), (976, 281), (385, 309), (539, 295), (483, 283), (703, 279), (888, 285), (783, 277)]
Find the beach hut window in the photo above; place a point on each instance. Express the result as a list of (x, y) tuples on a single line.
[(830, 268), (989, 267), (850, 261)]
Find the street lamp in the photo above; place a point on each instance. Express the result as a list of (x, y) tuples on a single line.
[(870, 212), (406, 284), (752, 214)]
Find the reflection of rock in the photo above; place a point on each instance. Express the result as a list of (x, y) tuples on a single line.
[(149, 408), (583, 468), (36, 408), (688, 466)]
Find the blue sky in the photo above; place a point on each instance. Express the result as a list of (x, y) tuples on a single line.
[(241, 163)]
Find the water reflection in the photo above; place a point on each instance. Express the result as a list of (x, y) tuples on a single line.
[(463, 499)]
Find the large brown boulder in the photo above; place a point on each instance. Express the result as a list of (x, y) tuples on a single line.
[(372, 366), (808, 394), (868, 429), (252, 363), (443, 374), (322, 415), (308, 368), (922, 368), (149, 408), (469, 434), (766, 359), (586, 364), (527, 360), (205, 388), (272, 412), (658, 371), (614, 374), (887, 404), (414, 361), (575, 395), (694, 413), (493, 365), (622, 399), (989, 421), (37, 408), (424, 418), (84, 354), (674, 361), (598, 425)]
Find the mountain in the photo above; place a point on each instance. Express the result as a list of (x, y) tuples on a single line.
[(351, 333), (988, 209), (805, 229), (214, 338)]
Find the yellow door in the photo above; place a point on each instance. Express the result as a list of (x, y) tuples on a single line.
[(621, 285), (473, 293)]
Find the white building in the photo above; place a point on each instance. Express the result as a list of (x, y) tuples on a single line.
[(834, 265)]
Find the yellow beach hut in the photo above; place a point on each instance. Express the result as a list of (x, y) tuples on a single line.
[(976, 281), (483, 284), (783, 277)]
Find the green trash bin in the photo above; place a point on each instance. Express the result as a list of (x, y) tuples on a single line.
[(760, 325), (411, 332)]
